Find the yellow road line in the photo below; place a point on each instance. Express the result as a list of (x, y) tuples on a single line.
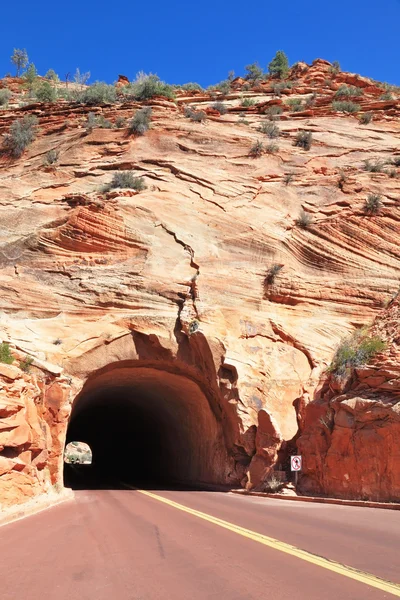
[(325, 563)]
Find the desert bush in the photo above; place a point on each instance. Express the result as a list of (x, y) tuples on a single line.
[(30, 74), (5, 96), (348, 91), (304, 220), (373, 204), (98, 93), (366, 118), (335, 67), (248, 102), (288, 178), (5, 354), (243, 121), (220, 107), (304, 140), (140, 121), (147, 86), (125, 179), (392, 173), (272, 484), (279, 65), (257, 149), (120, 122), (51, 157), (310, 102), (345, 106), (192, 87), (52, 76), (25, 365), (374, 166), (272, 112), (195, 115), (253, 72), (396, 161), (272, 274), (271, 148), (21, 134), (20, 59), (224, 87), (270, 129), (45, 92), (354, 351), (386, 96), (295, 104), (342, 179)]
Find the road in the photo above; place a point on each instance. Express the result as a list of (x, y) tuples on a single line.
[(125, 545)]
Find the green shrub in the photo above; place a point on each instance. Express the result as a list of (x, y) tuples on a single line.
[(348, 91), (120, 122), (278, 87), (254, 72), (304, 220), (30, 74), (243, 121), (146, 87), (366, 118), (21, 134), (98, 93), (140, 121), (272, 112), (304, 140), (220, 107), (386, 96), (373, 204), (257, 149), (345, 106), (25, 365), (354, 351), (295, 104), (52, 76), (125, 179), (279, 65), (51, 157), (192, 87), (288, 178), (342, 179), (272, 274), (45, 92), (96, 121), (246, 102), (195, 115), (376, 166), (311, 100), (392, 173), (271, 148), (223, 86), (5, 354), (270, 129), (20, 59), (396, 161), (335, 67), (5, 96)]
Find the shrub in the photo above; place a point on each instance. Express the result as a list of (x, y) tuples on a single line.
[(272, 112), (20, 59), (270, 129), (310, 102), (396, 161), (140, 121), (248, 102), (5, 354), (271, 148), (220, 107), (342, 179), (304, 140), (288, 178), (51, 157), (354, 351), (335, 67), (366, 118), (223, 86), (195, 115), (81, 78), (25, 365), (57, 342), (257, 149), (192, 87), (22, 133), (373, 204), (376, 166), (348, 91), (272, 484), (254, 72), (279, 65), (345, 106), (125, 179), (120, 122), (295, 104), (304, 220), (272, 274), (392, 173), (45, 92), (5, 96), (147, 86), (98, 93), (52, 76), (243, 121), (30, 74), (278, 87), (386, 96)]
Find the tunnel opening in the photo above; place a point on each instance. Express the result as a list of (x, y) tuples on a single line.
[(146, 427)]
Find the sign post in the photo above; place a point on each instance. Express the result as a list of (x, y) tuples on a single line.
[(296, 463)]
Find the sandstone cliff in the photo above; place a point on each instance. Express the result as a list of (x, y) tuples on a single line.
[(207, 272)]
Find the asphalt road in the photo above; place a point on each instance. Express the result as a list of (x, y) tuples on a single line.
[(124, 545)]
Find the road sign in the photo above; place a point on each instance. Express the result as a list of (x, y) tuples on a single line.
[(295, 463)]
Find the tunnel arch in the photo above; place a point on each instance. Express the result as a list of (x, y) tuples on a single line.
[(149, 424)]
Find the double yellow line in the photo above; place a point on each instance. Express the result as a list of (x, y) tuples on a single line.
[(350, 572)]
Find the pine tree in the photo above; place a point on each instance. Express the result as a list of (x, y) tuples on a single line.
[(19, 59), (279, 65)]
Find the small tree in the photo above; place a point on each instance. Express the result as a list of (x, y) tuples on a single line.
[(81, 78), (52, 76), (5, 96), (45, 92), (254, 72), (20, 59), (5, 353), (140, 121), (30, 74), (279, 65), (22, 133)]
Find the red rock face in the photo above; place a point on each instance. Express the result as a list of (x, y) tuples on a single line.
[(180, 272)]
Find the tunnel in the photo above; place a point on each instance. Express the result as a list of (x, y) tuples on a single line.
[(146, 427)]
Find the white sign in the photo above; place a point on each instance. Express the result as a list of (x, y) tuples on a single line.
[(295, 463)]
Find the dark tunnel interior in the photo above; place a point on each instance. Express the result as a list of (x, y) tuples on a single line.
[(147, 428)]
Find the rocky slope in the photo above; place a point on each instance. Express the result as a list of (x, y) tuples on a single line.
[(192, 255)]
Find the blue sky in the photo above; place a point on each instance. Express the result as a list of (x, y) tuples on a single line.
[(200, 41)]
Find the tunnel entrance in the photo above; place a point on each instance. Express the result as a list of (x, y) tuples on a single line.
[(146, 427)]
